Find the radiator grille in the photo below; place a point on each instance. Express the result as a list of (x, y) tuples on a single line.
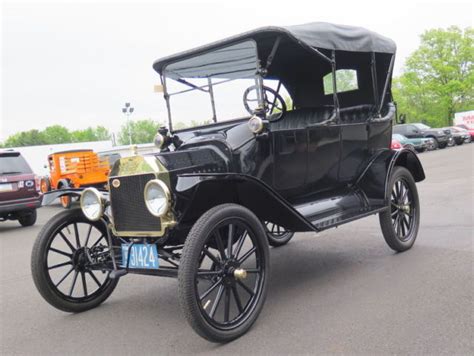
[(128, 205)]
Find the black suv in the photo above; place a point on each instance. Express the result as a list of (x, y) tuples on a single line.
[(440, 136), (19, 189)]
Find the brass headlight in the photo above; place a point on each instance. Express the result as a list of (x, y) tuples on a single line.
[(92, 204), (157, 197)]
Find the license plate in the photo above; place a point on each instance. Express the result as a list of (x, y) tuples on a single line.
[(6, 187), (141, 256)]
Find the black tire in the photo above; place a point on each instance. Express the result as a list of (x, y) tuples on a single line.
[(277, 235), (45, 185), (42, 278), (223, 272), (442, 145), (400, 223), (28, 219), (435, 142)]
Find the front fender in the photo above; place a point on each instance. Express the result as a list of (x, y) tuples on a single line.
[(49, 197), (197, 193)]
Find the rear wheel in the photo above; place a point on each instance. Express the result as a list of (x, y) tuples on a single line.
[(66, 201), (71, 262), (223, 272), (400, 222), (45, 185), (28, 219), (277, 235)]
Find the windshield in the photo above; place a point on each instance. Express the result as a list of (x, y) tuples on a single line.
[(399, 137), (422, 126), (209, 87), (13, 165)]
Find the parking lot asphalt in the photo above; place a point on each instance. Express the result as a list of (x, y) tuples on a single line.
[(342, 291)]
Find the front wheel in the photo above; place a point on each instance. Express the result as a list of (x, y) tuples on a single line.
[(400, 222), (71, 262), (223, 272)]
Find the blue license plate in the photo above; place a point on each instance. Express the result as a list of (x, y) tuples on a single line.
[(141, 256)]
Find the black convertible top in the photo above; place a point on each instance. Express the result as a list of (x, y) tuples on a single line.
[(320, 35)]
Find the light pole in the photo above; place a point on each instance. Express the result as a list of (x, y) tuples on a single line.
[(127, 110)]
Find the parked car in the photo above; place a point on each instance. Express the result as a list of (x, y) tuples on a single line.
[(75, 169), (19, 189), (205, 208), (459, 135), (440, 137), (470, 130), (416, 144)]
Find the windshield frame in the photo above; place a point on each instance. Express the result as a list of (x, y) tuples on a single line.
[(209, 87)]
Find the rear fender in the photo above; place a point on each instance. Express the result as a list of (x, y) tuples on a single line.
[(198, 193), (409, 160), (375, 179)]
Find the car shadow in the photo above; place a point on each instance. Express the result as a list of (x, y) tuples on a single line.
[(303, 263)]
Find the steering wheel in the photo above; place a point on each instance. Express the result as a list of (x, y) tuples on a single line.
[(275, 106)]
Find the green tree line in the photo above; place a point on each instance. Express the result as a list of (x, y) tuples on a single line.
[(56, 134)]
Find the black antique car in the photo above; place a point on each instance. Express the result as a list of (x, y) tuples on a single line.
[(311, 153)]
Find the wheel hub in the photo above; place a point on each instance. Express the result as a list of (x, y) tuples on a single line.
[(405, 208), (231, 272), (80, 259)]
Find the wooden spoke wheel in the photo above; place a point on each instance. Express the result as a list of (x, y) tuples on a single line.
[(71, 262), (223, 273), (400, 222)]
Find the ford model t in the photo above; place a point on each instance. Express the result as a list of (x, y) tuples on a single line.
[(311, 152)]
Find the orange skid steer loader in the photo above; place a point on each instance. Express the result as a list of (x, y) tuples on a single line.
[(75, 169)]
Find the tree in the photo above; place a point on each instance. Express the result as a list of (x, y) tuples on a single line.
[(90, 134), (438, 78), (56, 134), (143, 131), (346, 79), (25, 138)]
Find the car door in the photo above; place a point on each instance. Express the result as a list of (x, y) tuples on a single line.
[(354, 150), (290, 147), (412, 132), (324, 153)]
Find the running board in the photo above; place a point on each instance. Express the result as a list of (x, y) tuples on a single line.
[(345, 206)]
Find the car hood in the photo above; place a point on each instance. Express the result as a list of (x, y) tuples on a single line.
[(209, 158)]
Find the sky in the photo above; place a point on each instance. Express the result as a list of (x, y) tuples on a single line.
[(76, 63)]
